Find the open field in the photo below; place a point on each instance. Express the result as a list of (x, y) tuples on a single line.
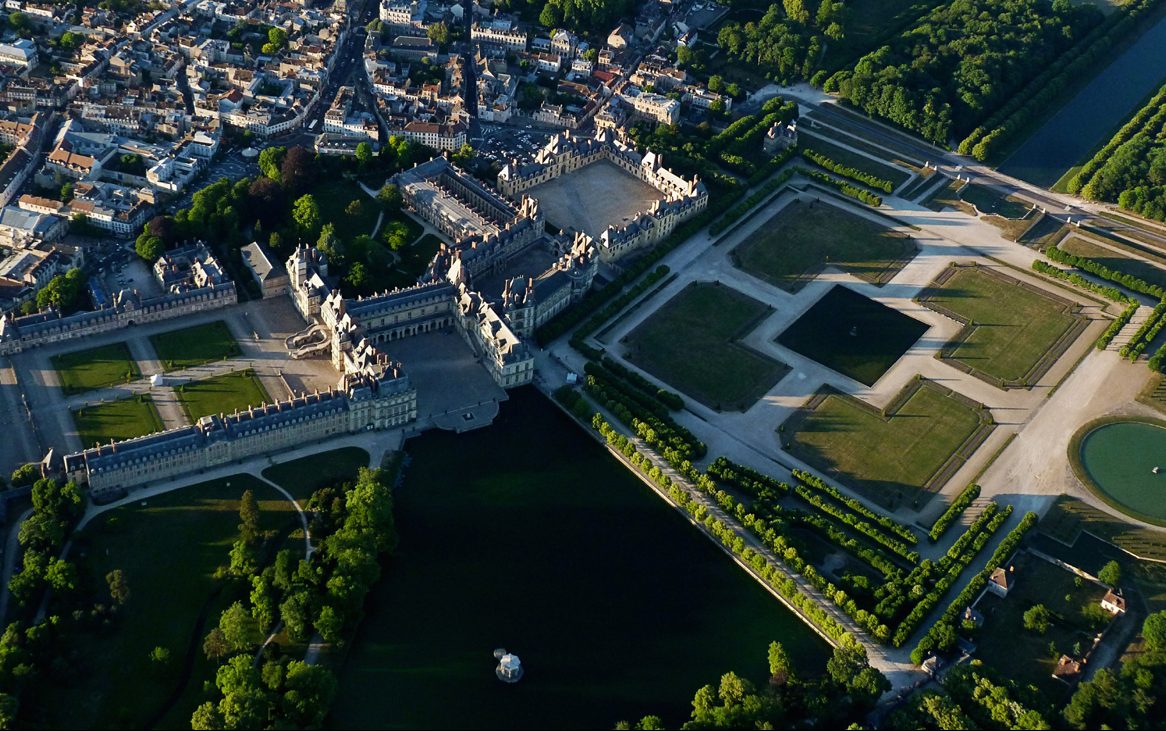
[(691, 343), (842, 155), (1080, 246), (1021, 655), (194, 346), (1012, 333), (593, 197), (223, 394), (171, 604), (891, 457), (86, 370), (853, 334), (301, 477), (116, 420), (333, 197), (793, 246)]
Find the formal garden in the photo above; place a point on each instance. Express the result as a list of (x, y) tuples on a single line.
[(692, 343), (194, 346), (852, 334), (1112, 257), (109, 421), (223, 394), (793, 246), (1013, 332), (896, 456), (87, 370)]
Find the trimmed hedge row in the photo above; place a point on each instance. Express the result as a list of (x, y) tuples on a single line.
[(856, 523), (956, 567), (1157, 358), (941, 636), (966, 497), (1145, 333), (807, 606), (660, 433), (889, 524), (1153, 108), (843, 187), (645, 400), (672, 400), (1115, 327), (846, 171), (1095, 268), (1112, 293), (832, 533)]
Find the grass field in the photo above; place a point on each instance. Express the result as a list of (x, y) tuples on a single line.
[(194, 346), (412, 263), (842, 155), (888, 457), (333, 197), (988, 201), (86, 370), (1011, 328), (792, 247), (1016, 653), (1044, 232), (301, 477), (124, 419), (947, 196), (690, 342), (1079, 246), (188, 534), (222, 394), (853, 334)]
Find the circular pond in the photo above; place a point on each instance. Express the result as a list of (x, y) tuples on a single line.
[(1125, 463)]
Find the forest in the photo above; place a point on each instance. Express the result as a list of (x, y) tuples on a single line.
[(962, 61)]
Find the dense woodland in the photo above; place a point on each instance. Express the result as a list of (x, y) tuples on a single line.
[(961, 61), (787, 41)]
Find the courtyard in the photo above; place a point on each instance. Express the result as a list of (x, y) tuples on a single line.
[(691, 343), (893, 456), (222, 394), (793, 246), (594, 197), (193, 346), (116, 420), (1012, 334), (86, 370)]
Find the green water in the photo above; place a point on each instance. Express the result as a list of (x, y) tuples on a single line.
[(1120, 459), (528, 536)]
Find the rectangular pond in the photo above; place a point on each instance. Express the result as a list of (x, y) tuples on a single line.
[(528, 535), (1094, 114)]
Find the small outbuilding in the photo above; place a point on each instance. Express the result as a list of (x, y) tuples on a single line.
[(1113, 602), (1001, 581)]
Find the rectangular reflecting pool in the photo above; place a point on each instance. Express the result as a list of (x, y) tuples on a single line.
[(529, 536)]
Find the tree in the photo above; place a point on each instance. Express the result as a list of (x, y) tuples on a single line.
[(237, 627), (1110, 574), (66, 192), (780, 664), (119, 588), (150, 248), (716, 83), (358, 277), (1154, 631), (330, 624), (70, 40), (1037, 619), (306, 215), (390, 197), (25, 474), (215, 645), (354, 208), (249, 515), (207, 718), (270, 162), (297, 170), (61, 575), (160, 655), (63, 292), (396, 235), (295, 614), (438, 33), (19, 22), (363, 154), (309, 694), (329, 243)]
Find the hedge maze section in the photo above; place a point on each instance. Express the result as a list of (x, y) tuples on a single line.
[(691, 343), (901, 453), (803, 238), (1013, 331)]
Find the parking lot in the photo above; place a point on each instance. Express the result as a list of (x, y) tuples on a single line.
[(502, 143)]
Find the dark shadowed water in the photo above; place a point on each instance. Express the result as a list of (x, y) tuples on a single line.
[(528, 535)]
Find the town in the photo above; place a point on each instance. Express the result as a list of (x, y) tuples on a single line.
[(344, 343)]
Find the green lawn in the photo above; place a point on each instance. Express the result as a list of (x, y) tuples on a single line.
[(794, 245), (222, 394), (169, 547), (1011, 328), (124, 419), (988, 201), (840, 154), (194, 346), (414, 259), (301, 477), (86, 370), (888, 457), (1079, 246), (690, 342), (1024, 656), (333, 197)]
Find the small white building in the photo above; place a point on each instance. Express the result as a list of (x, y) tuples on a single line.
[(509, 669)]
